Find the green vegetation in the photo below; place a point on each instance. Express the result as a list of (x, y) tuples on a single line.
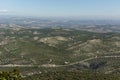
[(48, 53), (72, 76), (10, 75)]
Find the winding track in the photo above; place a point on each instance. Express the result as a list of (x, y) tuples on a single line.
[(110, 71), (53, 65)]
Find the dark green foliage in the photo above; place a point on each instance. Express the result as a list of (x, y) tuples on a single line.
[(97, 64), (10, 75)]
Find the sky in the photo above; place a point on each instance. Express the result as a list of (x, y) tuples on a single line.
[(62, 8)]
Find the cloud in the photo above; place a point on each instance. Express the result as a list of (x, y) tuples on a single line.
[(4, 11)]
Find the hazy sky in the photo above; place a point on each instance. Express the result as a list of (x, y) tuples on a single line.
[(62, 8)]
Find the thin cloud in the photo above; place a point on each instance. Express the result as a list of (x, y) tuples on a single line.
[(4, 11)]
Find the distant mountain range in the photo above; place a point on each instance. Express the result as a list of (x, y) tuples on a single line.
[(101, 26)]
